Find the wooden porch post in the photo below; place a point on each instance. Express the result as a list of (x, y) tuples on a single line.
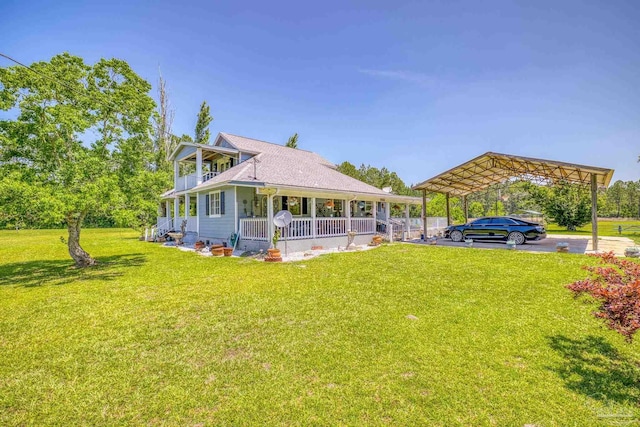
[(594, 211), (424, 215), (448, 209), (387, 209), (198, 214), (167, 212), (270, 226), (187, 204), (199, 165), (314, 225), (407, 224), (176, 213), (347, 211)]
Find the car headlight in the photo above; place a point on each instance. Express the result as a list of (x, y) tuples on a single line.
[(540, 229)]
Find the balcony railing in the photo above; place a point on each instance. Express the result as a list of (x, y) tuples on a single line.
[(186, 182)]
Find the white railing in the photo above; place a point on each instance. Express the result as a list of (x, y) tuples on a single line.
[(363, 225), (300, 228), (253, 228), (207, 176), (186, 182), (329, 227)]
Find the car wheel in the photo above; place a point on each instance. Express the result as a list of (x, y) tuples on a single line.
[(517, 237), (456, 236)]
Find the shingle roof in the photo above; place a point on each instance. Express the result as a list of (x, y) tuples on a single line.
[(278, 165)]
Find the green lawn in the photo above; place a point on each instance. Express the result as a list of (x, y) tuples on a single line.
[(606, 227), (156, 336)]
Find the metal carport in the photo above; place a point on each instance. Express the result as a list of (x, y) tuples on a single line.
[(492, 168)]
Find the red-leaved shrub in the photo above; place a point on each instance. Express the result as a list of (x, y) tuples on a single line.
[(616, 286)]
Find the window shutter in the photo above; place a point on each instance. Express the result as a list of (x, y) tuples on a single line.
[(207, 205), (222, 203)]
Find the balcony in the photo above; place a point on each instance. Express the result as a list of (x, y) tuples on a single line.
[(187, 182)]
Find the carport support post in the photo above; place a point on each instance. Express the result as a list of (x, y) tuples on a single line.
[(424, 215), (465, 208), (594, 211), (446, 196)]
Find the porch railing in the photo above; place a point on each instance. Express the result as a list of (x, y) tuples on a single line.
[(303, 228), (253, 228), (186, 182), (363, 225)]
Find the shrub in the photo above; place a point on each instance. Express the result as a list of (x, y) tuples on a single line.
[(616, 286)]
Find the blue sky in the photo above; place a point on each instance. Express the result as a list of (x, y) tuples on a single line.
[(417, 87)]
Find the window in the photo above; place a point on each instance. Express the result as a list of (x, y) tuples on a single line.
[(215, 203), (482, 221)]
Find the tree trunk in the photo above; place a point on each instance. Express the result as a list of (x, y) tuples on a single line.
[(79, 255)]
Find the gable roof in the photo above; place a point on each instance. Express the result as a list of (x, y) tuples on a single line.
[(491, 168), (280, 166)]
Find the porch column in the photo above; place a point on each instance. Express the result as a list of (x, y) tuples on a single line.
[(198, 165), (387, 212), (176, 213), (448, 209), (406, 217), (167, 212), (198, 214), (424, 215), (594, 211), (176, 174), (347, 212), (187, 203), (314, 225), (270, 226)]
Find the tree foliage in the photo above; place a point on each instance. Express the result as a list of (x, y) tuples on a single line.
[(203, 135), (293, 141), (79, 141), (568, 205), (615, 285)]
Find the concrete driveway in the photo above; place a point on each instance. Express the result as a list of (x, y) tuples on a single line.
[(577, 244)]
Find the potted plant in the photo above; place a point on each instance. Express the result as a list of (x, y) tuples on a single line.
[(274, 252), (377, 239)]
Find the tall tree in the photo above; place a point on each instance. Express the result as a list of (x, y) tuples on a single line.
[(568, 205), (293, 141), (165, 141), (202, 126), (81, 136)]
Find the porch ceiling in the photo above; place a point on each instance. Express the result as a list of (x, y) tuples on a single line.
[(492, 168)]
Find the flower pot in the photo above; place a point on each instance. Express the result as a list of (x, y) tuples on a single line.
[(227, 251), (274, 253), (217, 250), (199, 245)]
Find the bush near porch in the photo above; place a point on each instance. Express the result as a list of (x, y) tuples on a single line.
[(159, 336)]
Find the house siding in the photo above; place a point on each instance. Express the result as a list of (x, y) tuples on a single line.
[(185, 151), (218, 228)]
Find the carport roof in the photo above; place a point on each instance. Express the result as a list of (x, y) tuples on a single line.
[(492, 168)]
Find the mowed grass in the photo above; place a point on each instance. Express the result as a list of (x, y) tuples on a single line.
[(156, 336), (606, 227)]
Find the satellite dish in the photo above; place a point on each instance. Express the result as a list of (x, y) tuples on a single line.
[(282, 218)]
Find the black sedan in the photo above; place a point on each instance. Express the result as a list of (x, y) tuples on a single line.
[(497, 228)]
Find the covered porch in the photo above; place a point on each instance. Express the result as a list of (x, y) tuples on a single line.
[(322, 216)]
